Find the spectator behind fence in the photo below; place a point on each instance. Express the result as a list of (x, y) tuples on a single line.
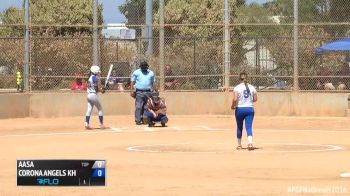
[(341, 86), (19, 82), (170, 82), (344, 71), (78, 84), (329, 86), (325, 82), (115, 82)]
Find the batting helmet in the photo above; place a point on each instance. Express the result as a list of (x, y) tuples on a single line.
[(95, 69)]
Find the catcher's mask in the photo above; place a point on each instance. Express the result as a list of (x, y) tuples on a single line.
[(156, 100), (144, 66), (243, 76)]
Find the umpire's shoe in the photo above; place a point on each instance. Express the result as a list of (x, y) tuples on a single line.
[(138, 122)]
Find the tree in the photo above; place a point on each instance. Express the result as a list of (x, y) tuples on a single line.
[(59, 51), (134, 11), (315, 11), (339, 12), (55, 12), (12, 15), (309, 10), (190, 48)]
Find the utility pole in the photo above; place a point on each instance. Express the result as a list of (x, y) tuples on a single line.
[(95, 35), (161, 44), (295, 48), (149, 32), (227, 44), (26, 45)]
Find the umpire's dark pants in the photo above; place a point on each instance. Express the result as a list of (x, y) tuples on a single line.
[(140, 104)]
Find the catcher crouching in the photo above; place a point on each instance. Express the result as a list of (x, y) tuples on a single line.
[(156, 111)]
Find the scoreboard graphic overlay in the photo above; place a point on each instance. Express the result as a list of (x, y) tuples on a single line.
[(61, 172)]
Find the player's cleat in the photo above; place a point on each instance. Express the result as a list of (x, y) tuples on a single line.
[(250, 147), (163, 123), (239, 147), (151, 124), (104, 127), (138, 123), (87, 127)]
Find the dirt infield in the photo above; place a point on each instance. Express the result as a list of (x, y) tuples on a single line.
[(194, 155)]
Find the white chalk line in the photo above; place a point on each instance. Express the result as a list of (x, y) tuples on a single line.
[(212, 129), (301, 130), (177, 128), (139, 148), (61, 133), (345, 175), (328, 147)]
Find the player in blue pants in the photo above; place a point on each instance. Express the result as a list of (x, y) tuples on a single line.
[(156, 111), (244, 97)]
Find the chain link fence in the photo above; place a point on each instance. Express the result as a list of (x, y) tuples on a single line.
[(261, 44)]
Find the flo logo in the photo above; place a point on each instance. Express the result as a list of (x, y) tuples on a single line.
[(47, 181)]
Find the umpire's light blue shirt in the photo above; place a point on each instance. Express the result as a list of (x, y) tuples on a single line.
[(143, 81)]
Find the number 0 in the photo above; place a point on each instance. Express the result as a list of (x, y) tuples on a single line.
[(99, 172)]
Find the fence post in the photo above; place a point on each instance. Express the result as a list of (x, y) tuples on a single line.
[(295, 48), (227, 44), (95, 34), (194, 57), (348, 110), (161, 44), (257, 56), (26, 46), (149, 30)]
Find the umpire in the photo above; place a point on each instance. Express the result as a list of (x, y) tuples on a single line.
[(142, 85)]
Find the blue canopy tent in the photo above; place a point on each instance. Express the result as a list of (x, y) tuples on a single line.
[(339, 45), (342, 45)]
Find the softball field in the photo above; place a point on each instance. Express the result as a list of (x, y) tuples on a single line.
[(193, 155)]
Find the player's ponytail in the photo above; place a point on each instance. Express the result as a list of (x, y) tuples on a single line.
[(243, 77)]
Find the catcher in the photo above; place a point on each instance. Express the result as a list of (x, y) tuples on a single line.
[(156, 111)]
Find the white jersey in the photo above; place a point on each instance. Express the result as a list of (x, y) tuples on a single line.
[(91, 84), (245, 99)]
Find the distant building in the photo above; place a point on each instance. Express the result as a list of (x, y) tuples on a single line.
[(119, 31), (276, 19), (259, 57)]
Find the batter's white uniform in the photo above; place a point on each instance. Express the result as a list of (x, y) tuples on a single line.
[(92, 96)]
